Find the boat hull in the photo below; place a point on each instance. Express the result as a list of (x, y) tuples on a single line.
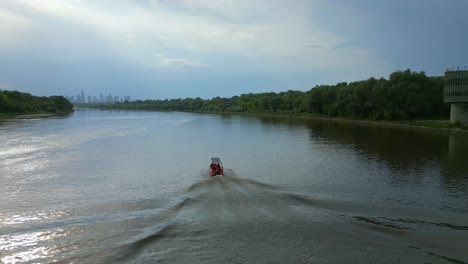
[(216, 167), (216, 172)]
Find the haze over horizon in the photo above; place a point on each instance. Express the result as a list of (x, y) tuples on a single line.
[(155, 49)]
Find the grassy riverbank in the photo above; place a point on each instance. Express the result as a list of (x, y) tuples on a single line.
[(12, 116), (438, 124), (33, 116), (430, 124)]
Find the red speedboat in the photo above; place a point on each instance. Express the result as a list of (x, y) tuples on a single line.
[(216, 167)]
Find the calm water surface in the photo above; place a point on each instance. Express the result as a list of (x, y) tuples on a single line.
[(133, 187)]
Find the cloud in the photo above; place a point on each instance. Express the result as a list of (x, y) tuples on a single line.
[(14, 28), (182, 61), (258, 39), (163, 61), (131, 38), (264, 33)]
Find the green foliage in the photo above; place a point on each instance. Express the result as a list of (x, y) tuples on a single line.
[(405, 95), (14, 102)]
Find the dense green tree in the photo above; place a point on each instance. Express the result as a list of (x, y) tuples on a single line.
[(404, 95), (15, 102)]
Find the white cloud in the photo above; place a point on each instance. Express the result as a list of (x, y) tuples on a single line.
[(182, 61), (13, 29), (163, 61), (131, 37), (268, 34)]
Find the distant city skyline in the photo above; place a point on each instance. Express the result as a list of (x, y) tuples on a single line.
[(83, 98), (154, 49)]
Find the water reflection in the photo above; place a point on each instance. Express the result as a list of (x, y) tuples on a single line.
[(403, 150), (27, 247), (399, 147), (107, 187), (456, 156)]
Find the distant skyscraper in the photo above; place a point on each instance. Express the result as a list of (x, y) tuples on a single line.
[(82, 98), (109, 98)]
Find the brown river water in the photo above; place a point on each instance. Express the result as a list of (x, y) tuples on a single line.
[(133, 187)]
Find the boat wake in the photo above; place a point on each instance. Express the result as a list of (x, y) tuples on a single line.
[(232, 219), (229, 219)]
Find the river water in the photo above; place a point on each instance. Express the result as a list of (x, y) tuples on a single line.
[(133, 187)]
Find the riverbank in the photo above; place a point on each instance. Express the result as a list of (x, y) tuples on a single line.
[(423, 124), (33, 116), (437, 124), (11, 116)]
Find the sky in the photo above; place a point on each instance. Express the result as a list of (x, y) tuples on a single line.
[(158, 49)]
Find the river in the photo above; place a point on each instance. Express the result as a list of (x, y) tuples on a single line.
[(133, 187)]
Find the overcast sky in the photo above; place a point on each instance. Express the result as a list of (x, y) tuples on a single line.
[(157, 49)]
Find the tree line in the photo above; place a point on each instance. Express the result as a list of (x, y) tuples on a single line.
[(404, 95), (14, 102)]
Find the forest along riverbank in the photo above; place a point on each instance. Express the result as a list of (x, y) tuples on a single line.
[(405, 98), (18, 105)]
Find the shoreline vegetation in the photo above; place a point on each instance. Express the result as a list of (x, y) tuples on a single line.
[(18, 105), (404, 99), (409, 99)]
